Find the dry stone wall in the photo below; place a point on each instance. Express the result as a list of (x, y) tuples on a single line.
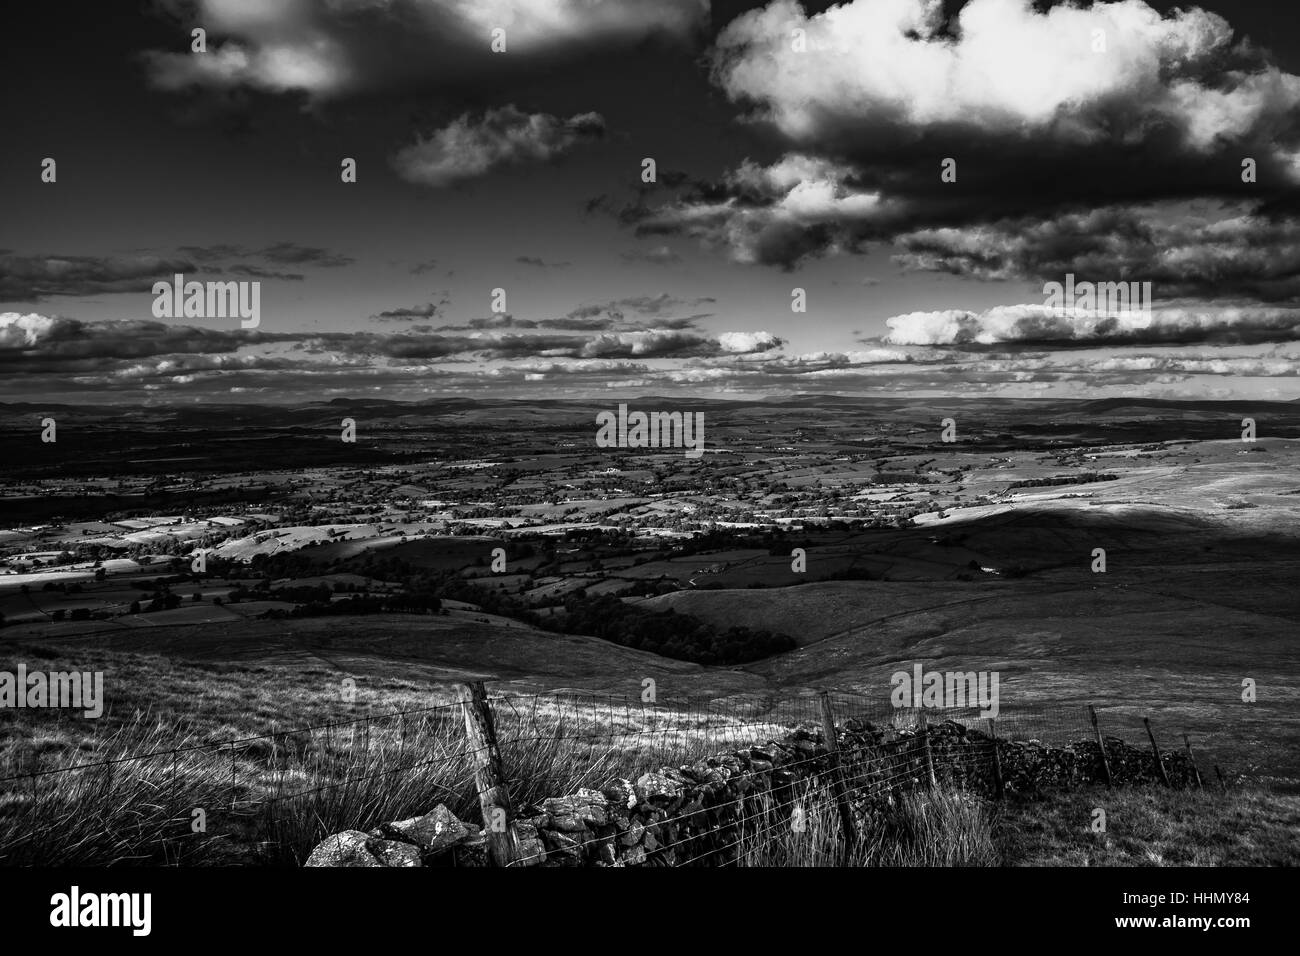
[(695, 814)]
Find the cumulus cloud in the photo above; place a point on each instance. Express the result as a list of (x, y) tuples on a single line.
[(1039, 122), (748, 341), (1044, 326), (331, 49), (1000, 65), (798, 206), (469, 147)]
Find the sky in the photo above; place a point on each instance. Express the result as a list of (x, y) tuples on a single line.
[(799, 158)]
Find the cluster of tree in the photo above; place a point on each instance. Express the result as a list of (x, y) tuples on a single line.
[(666, 633), (75, 614), (366, 604), (158, 601), (1085, 478)]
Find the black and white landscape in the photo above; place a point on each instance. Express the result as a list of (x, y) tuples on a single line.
[(519, 433)]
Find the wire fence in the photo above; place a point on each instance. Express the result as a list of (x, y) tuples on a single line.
[(272, 798)]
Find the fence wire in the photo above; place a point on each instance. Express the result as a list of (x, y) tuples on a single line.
[(272, 797)]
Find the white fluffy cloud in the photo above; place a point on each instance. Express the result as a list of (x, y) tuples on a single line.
[(470, 147), (23, 331), (325, 49), (1006, 68), (748, 341)]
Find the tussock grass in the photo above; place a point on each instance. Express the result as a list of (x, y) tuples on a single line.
[(203, 764), (913, 828)]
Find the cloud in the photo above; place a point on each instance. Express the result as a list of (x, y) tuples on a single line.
[(650, 343), (1041, 326), (540, 263), (342, 47), (468, 148), (295, 254), (257, 272), (1039, 124), (32, 344), (281, 253), (800, 206), (42, 354), (748, 341), (32, 278), (1225, 252), (427, 311), (614, 313), (34, 340), (999, 66), (659, 255)]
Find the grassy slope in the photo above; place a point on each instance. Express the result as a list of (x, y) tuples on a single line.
[(1151, 827), (140, 811)]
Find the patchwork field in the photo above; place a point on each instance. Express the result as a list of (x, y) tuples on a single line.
[(982, 556)]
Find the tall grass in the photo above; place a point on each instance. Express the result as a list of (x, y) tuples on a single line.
[(912, 828), (141, 794)]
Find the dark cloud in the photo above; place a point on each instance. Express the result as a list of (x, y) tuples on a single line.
[(281, 253), (541, 263), (1224, 252), (427, 311), (32, 278), (295, 254), (257, 272)]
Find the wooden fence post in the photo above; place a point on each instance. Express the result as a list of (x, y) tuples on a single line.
[(997, 758), (1160, 764), (1101, 744), (837, 769), (489, 778), (1196, 771), (931, 782)]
